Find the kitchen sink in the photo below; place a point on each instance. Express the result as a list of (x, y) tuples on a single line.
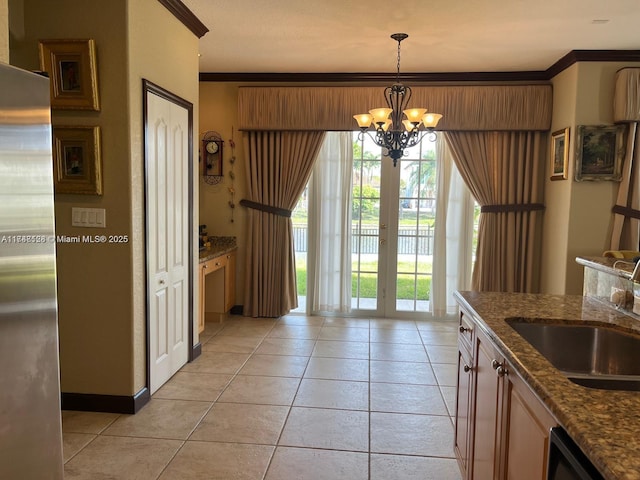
[(588, 355)]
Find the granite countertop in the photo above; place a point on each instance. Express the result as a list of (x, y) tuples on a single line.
[(219, 246), (615, 266), (604, 423)]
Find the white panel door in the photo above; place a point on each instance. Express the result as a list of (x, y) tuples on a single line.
[(167, 237)]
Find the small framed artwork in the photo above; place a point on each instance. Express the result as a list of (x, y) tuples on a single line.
[(72, 69), (560, 154), (77, 166), (599, 152)]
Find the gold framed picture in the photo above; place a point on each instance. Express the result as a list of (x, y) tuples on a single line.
[(560, 154), (72, 69), (77, 166)]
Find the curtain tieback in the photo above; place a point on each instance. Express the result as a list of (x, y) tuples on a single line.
[(511, 207), (282, 212), (626, 211)]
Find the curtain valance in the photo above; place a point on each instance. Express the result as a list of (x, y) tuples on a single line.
[(626, 98), (465, 108)]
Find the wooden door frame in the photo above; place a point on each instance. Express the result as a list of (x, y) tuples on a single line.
[(151, 88)]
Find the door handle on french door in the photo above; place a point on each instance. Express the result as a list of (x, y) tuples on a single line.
[(383, 226), (382, 241)]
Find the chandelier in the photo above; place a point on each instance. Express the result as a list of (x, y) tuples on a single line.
[(391, 131)]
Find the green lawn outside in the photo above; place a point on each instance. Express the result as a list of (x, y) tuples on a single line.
[(368, 281)]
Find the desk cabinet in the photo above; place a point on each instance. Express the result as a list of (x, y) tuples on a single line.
[(217, 280)]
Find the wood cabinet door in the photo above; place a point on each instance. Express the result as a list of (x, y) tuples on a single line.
[(230, 281), (526, 434), (201, 273), (486, 409), (464, 425)]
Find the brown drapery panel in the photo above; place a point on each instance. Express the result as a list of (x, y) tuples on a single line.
[(278, 167), (505, 173), (625, 234), (465, 108)]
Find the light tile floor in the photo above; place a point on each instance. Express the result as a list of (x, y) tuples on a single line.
[(295, 398)]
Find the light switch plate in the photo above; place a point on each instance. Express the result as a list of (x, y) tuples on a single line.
[(88, 217)]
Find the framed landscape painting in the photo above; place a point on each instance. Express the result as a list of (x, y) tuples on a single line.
[(599, 152)]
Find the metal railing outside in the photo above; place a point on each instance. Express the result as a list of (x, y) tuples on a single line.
[(411, 241)]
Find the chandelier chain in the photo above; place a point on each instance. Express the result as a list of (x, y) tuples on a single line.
[(398, 67)]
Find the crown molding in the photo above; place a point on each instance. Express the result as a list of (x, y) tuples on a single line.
[(519, 76), (186, 16), (372, 77), (575, 56)]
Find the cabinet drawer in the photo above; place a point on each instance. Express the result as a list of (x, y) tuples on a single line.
[(215, 264), (465, 330)]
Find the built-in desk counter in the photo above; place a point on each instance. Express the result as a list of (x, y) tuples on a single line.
[(217, 279), (219, 246)]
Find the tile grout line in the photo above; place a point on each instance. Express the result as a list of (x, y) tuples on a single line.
[(369, 387), (284, 424)]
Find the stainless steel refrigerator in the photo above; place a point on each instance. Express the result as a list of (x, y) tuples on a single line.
[(30, 422)]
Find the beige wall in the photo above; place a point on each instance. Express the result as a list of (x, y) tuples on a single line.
[(101, 287), (165, 52), (578, 215), (94, 280), (219, 112), (558, 193), (4, 31)]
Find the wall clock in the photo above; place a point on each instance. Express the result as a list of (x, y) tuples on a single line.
[(211, 156)]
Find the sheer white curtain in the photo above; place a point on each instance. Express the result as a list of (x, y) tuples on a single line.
[(452, 250), (329, 247)]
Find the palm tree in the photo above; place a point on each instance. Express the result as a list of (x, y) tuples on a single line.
[(422, 179)]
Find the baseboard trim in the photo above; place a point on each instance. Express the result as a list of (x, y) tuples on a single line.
[(92, 402), (195, 351)]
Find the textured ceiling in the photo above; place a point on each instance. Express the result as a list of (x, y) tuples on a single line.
[(303, 36)]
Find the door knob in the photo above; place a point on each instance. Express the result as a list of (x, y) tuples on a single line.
[(383, 241)]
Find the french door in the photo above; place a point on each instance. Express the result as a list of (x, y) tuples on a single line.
[(393, 211)]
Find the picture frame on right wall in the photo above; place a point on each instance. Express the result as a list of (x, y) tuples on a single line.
[(560, 154), (599, 152)]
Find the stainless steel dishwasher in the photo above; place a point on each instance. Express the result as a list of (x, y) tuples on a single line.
[(567, 461)]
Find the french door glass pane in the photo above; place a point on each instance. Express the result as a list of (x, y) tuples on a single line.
[(416, 222), (365, 221), (299, 220)]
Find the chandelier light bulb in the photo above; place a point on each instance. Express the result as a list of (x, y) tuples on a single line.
[(415, 114), (380, 115), (364, 120), (409, 125), (430, 120)]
